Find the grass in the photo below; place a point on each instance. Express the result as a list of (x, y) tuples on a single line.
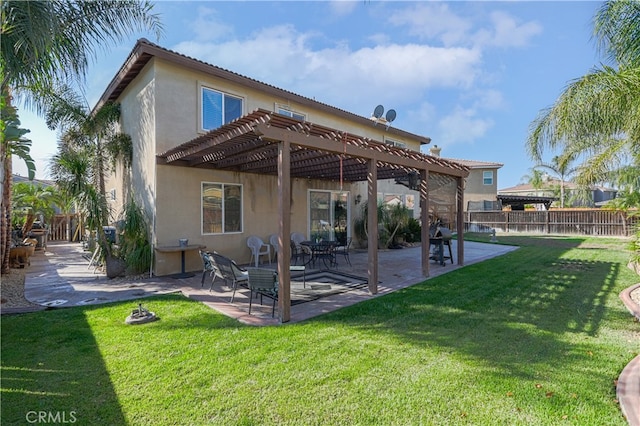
[(537, 336)]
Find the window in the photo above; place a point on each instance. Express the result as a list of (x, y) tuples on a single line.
[(395, 143), (292, 114), (487, 178), (221, 208), (219, 108)]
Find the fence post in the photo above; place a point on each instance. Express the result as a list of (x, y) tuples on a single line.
[(547, 219)]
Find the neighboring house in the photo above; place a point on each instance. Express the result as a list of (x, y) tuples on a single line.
[(218, 157), (597, 195), (481, 186)]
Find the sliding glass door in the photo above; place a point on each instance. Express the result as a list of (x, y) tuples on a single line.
[(329, 215)]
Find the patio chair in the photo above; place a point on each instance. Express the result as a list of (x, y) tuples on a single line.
[(263, 282), (228, 270), (258, 248), (273, 240), (207, 265), (303, 251), (297, 253), (343, 250)]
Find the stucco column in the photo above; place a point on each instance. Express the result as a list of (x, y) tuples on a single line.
[(372, 222), (284, 230)]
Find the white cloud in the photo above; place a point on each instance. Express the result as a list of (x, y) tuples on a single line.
[(431, 21), (506, 31), (342, 7), (436, 21), (462, 126), (209, 26), (398, 72)]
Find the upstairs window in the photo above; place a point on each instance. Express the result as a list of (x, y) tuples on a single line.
[(219, 108), (487, 178), (395, 143), (292, 114)]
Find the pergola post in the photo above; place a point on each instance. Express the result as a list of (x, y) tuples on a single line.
[(424, 220), (284, 230), (460, 219), (372, 221)]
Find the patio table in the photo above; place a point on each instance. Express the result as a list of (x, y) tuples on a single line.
[(182, 250), (321, 250)]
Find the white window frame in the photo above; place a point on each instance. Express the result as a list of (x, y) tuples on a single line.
[(487, 175), (201, 89), (223, 232)]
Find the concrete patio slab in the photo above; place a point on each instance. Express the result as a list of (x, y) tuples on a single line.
[(61, 277)]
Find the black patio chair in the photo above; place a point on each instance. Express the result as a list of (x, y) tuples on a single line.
[(227, 270), (263, 282), (343, 250)]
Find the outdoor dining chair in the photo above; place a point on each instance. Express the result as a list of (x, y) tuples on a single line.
[(343, 250), (263, 282), (258, 248), (273, 240), (207, 265), (227, 270), (297, 253), (302, 250)]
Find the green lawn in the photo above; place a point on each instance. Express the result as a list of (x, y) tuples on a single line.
[(535, 337)]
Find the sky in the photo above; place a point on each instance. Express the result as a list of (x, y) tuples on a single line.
[(472, 76)]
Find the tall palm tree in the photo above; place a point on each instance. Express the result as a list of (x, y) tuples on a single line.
[(44, 42), (92, 132), (561, 167), (12, 142), (34, 200), (92, 135), (598, 115)]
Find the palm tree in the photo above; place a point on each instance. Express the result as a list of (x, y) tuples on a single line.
[(91, 132), (536, 178), (44, 42), (33, 200), (12, 142), (561, 168), (88, 140), (598, 115)]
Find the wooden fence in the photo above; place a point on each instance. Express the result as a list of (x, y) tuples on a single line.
[(64, 228), (581, 222)]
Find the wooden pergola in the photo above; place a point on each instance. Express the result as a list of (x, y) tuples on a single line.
[(268, 143)]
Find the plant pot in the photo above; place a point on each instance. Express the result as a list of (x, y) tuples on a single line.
[(634, 266)]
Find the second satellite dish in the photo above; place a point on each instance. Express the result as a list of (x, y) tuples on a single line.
[(376, 117)]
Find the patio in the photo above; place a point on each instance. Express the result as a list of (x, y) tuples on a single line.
[(61, 277)]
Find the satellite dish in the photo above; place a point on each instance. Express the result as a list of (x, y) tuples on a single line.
[(391, 115), (377, 113)]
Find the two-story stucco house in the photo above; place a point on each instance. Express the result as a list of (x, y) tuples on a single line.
[(218, 157)]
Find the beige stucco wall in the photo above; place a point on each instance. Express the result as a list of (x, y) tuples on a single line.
[(161, 110), (179, 213)]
